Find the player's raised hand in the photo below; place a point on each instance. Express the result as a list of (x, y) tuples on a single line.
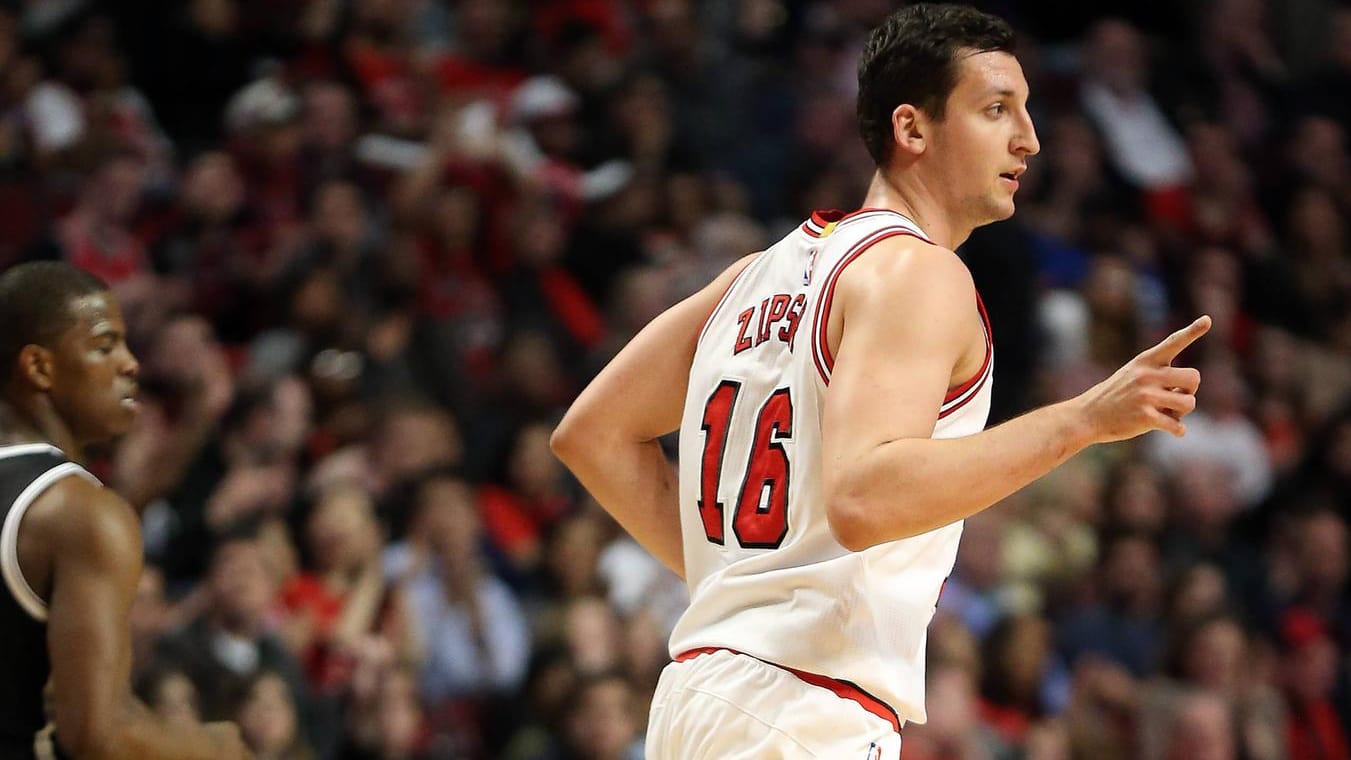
[(1167, 350), (1147, 393)]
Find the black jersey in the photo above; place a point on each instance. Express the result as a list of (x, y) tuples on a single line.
[(26, 470)]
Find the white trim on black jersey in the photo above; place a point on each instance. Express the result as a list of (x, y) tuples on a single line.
[(23, 449), (9, 536)]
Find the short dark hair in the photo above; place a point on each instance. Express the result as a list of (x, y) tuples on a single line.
[(912, 58), (35, 304)]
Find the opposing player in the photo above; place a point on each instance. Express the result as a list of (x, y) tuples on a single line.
[(70, 549), (831, 394)]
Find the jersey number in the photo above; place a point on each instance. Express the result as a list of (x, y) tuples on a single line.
[(761, 517)]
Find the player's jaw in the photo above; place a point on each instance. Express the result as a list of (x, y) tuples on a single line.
[(106, 402), (990, 192), (989, 184), (105, 414)]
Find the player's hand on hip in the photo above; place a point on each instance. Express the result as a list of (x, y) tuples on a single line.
[(1147, 393)]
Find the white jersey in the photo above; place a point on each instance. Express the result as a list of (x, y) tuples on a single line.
[(766, 576)]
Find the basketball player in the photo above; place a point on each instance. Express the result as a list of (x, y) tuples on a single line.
[(831, 394), (70, 549)]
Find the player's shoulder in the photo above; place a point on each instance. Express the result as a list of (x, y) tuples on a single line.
[(908, 264), (78, 513)]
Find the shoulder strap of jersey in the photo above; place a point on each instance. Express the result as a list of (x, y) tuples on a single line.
[(9, 532), (854, 244)]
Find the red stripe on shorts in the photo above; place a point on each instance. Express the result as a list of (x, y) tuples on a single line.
[(842, 689)]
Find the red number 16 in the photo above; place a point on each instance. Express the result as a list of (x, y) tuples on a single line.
[(761, 517)]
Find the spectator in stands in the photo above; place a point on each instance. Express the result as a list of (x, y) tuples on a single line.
[(226, 648)]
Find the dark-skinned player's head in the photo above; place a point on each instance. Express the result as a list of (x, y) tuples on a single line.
[(914, 57), (63, 345)]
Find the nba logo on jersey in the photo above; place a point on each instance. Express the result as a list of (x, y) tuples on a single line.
[(874, 752), (814, 251)]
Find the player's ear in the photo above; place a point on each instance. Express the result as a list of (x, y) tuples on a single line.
[(909, 126), (36, 365)]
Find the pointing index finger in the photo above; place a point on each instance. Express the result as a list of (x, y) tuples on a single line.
[(1168, 349)]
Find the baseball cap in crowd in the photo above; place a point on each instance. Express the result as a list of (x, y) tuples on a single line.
[(264, 103), (540, 98)]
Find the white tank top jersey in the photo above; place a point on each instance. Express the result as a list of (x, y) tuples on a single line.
[(766, 576)]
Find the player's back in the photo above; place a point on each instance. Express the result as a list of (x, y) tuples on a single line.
[(26, 470), (766, 575)]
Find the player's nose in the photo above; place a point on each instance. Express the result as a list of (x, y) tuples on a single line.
[(1026, 143), (130, 365)]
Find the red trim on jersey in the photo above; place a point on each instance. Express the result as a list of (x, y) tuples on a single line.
[(944, 412), (825, 363), (840, 688), (827, 216), (985, 318), (959, 390), (816, 224), (819, 220), (718, 306), (977, 381)]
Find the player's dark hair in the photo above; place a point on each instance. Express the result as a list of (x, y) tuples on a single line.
[(35, 303), (912, 57)]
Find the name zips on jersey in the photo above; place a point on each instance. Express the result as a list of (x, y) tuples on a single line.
[(754, 331)]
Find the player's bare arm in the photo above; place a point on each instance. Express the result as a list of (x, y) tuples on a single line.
[(81, 547), (608, 438), (904, 329)]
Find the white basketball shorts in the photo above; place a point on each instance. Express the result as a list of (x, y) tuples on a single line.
[(716, 704)]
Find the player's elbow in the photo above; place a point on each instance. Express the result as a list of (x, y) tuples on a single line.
[(563, 442), (587, 437), (859, 520), (573, 440), (850, 522)]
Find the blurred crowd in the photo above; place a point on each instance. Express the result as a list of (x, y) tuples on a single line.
[(368, 251)]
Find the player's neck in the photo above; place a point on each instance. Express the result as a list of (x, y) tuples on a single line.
[(34, 420), (911, 196)]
